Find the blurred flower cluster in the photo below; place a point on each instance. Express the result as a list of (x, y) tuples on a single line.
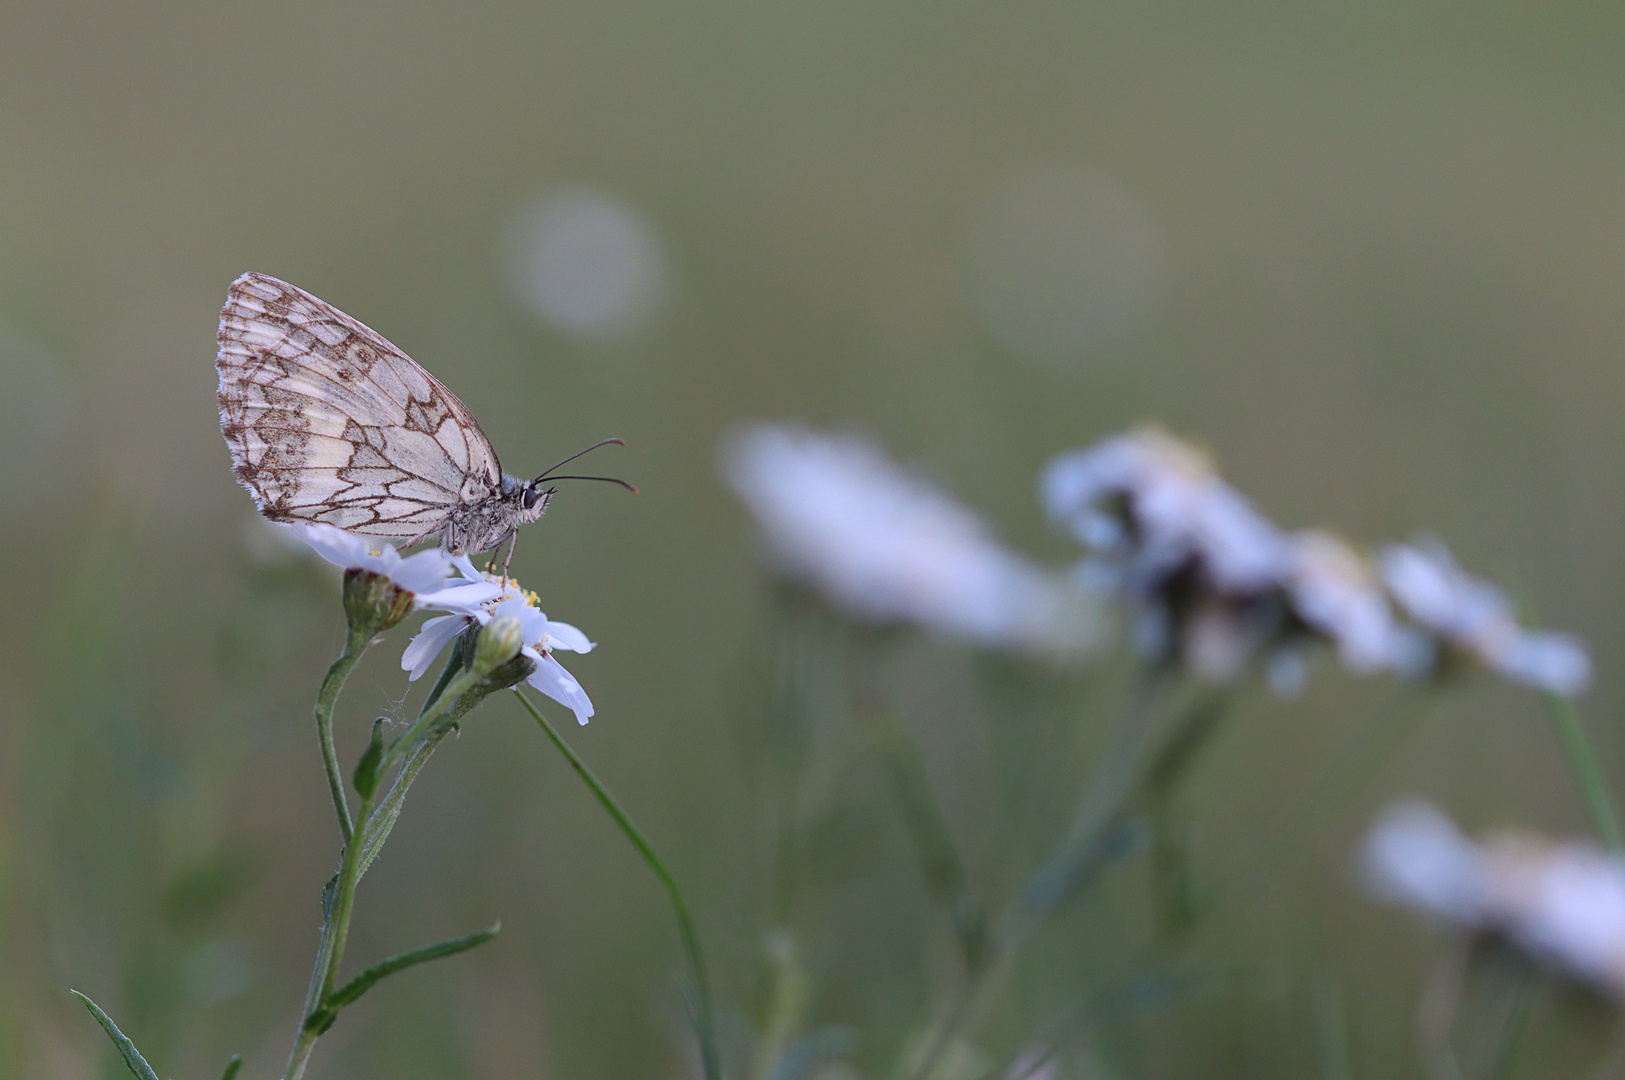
[(1209, 582), (1216, 586), (1561, 903)]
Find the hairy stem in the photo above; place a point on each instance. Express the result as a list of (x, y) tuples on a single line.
[(354, 646), (336, 927)]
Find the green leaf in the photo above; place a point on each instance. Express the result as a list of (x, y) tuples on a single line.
[(320, 1020), (363, 982), (126, 1048), (328, 892), (232, 1066), (366, 770)]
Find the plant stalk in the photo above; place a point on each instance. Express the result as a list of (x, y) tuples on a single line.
[(1582, 758), (704, 1015), (336, 927), (355, 645)]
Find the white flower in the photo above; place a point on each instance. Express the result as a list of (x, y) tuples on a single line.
[(1416, 856), (1472, 616), (1203, 570), (1218, 586), (541, 636), (888, 547), (425, 575), (1335, 592), (1153, 504), (1564, 903)]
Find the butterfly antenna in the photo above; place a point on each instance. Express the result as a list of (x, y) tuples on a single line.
[(606, 479), (578, 453)]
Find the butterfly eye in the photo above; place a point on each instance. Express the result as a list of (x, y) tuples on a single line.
[(532, 497)]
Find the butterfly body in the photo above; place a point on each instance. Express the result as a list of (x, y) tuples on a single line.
[(329, 422), (495, 516)]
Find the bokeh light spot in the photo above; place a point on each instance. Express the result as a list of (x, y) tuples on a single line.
[(1064, 262), (588, 265)]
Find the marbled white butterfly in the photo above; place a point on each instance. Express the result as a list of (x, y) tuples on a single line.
[(329, 422)]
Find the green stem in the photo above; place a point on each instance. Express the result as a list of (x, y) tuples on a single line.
[(336, 927), (1336, 786), (705, 1020), (1582, 757), (1517, 1026), (354, 646), (1115, 780), (1172, 870), (940, 862)]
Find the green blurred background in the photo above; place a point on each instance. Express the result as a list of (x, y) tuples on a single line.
[(1372, 253)]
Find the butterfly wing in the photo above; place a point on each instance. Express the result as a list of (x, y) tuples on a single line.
[(327, 421)]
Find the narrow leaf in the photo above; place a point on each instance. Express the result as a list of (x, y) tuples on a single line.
[(328, 892), (363, 982), (320, 1020), (232, 1066), (126, 1048), (366, 770)]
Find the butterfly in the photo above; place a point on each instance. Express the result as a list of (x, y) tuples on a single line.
[(329, 422)]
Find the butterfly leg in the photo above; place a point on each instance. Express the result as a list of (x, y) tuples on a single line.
[(513, 542)]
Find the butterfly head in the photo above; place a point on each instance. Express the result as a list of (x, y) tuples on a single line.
[(532, 501)]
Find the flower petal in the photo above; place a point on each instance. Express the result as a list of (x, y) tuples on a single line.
[(434, 636), (337, 546), (561, 635), (424, 572), (465, 567), (551, 679), (466, 598)]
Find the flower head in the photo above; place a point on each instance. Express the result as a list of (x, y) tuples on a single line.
[(538, 635), (1465, 616), (1562, 903), (1151, 504), (1203, 570), (888, 547), (1216, 586)]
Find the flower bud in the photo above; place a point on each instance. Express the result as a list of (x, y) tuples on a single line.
[(499, 643), (373, 603)]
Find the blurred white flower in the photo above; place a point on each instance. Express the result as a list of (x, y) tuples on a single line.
[(888, 547), (1465, 615), (1335, 591), (1217, 586), (1203, 570), (426, 575), (1416, 856), (1153, 505), (540, 637), (1562, 903)]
